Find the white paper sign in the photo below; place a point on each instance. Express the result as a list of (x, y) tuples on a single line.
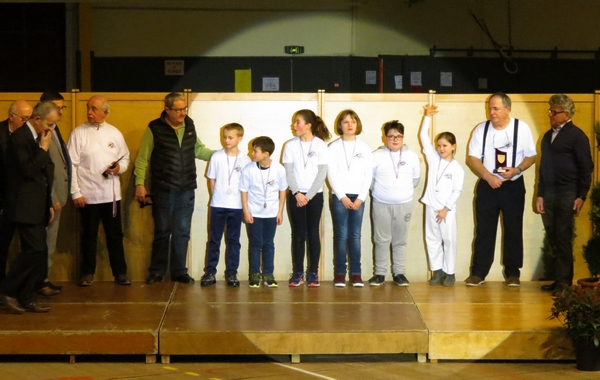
[(398, 81), (174, 67), (270, 84), (371, 77), (415, 78), (446, 79)]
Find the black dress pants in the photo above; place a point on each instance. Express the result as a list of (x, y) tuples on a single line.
[(559, 219), (30, 267), (509, 200)]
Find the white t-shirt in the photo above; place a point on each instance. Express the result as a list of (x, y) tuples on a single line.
[(394, 175), (444, 178), (503, 140), (92, 149), (263, 187), (306, 157), (350, 168), (226, 171)]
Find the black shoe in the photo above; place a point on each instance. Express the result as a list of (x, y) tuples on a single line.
[(400, 280), (555, 287), (184, 279), (52, 286), (232, 280), (549, 287), (35, 308), (121, 279), (152, 278), (12, 304), (207, 280)]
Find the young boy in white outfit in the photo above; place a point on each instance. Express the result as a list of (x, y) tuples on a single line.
[(224, 171), (396, 172), (263, 186)]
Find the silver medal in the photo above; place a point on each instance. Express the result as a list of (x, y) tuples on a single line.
[(265, 205)]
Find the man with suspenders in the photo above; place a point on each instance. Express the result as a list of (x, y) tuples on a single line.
[(500, 150)]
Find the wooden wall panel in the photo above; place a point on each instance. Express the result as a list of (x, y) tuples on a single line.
[(270, 114)]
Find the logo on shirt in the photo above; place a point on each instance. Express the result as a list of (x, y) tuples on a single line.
[(111, 145), (237, 168), (358, 155), (448, 176), (271, 182), (311, 153)]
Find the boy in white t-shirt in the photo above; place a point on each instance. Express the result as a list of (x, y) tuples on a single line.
[(224, 172), (396, 172), (263, 185)]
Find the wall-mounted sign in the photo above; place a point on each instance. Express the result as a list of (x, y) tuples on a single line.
[(174, 67)]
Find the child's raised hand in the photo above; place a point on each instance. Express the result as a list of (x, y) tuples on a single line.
[(430, 110)]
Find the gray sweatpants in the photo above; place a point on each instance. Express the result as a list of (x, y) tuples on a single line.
[(390, 226)]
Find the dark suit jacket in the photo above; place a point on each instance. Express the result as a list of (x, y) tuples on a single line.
[(30, 175), (3, 155)]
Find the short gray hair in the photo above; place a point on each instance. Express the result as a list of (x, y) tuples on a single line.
[(172, 98), (506, 102), (43, 109), (564, 102)]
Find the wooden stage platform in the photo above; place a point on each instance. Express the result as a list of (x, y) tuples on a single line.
[(491, 322)]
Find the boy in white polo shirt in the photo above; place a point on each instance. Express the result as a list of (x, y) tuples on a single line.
[(263, 186), (224, 172), (396, 172)]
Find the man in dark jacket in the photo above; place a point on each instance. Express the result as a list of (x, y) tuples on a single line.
[(30, 175), (565, 178), (171, 146), (18, 114)]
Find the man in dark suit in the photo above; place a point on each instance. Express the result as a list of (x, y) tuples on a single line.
[(565, 179), (60, 189), (18, 114), (30, 174)]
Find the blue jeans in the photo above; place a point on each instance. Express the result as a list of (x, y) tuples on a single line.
[(172, 212), (347, 225), (261, 234), (219, 217)]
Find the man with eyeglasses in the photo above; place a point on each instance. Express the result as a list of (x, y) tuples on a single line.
[(170, 147), (500, 150), (18, 114), (99, 156), (565, 178), (60, 187)]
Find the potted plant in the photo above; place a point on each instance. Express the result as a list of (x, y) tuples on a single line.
[(577, 308), (591, 250)]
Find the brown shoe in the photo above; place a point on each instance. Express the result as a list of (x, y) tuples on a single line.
[(121, 279), (12, 304), (513, 282), (474, 281), (47, 291), (86, 280), (35, 308)]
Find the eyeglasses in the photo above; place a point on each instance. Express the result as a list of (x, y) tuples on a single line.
[(554, 113), (23, 118), (179, 110), (63, 108), (395, 137)]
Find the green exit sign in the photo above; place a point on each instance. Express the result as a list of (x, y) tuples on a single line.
[(294, 49)]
